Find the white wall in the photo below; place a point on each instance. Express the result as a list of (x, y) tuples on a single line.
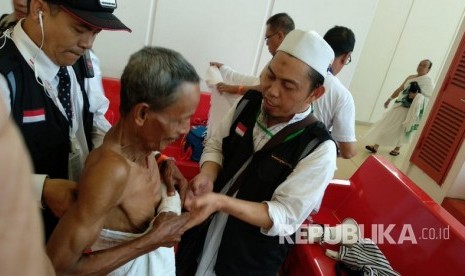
[(211, 30), (227, 31)]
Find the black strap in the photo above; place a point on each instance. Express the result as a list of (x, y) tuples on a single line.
[(274, 141), (288, 130)]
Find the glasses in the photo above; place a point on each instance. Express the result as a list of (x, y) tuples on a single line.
[(349, 60), (270, 36)]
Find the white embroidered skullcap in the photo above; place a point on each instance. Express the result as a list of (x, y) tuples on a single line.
[(310, 48)]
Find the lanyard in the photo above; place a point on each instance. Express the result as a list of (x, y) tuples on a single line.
[(268, 133)]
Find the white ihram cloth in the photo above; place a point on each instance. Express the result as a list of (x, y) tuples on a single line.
[(397, 125), (158, 262)]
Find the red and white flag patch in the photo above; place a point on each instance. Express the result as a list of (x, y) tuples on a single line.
[(33, 116), (241, 129)]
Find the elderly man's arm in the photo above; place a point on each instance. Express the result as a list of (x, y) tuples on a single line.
[(101, 189)]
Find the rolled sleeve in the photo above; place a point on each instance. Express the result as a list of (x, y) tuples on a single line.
[(344, 122), (293, 201), (232, 77)]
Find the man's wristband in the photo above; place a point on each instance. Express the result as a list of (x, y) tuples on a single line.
[(162, 158), (240, 90)]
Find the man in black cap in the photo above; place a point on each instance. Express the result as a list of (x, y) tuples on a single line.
[(51, 99)]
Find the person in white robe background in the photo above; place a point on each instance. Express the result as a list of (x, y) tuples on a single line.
[(396, 127)]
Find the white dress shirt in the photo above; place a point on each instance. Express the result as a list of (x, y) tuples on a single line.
[(336, 109)]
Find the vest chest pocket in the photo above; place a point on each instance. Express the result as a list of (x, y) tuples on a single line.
[(273, 168)]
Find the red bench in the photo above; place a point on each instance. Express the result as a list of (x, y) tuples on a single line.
[(427, 240), (188, 168), (112, 89)]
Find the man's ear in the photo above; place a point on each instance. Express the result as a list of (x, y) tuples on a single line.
[(36, 6), (140, 113), (316, 93), (281, 35)]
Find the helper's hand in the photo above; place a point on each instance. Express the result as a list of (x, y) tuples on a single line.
[(200, 208), (412, 95), (172, 177), (168, 228), (217, 64), (58, 195), (226, 88), (199, 185)]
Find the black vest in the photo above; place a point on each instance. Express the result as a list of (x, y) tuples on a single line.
[(243, 249), (48, 141)]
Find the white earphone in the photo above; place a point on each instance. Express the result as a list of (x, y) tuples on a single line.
[(40, 20), (41, 23)]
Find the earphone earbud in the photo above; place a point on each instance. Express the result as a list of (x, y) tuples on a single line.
[(41, 23), (40, 18)]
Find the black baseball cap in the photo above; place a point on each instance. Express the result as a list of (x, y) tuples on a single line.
[(96, 13)]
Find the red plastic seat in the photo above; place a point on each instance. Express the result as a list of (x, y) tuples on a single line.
[(427, 239), (112, 87)]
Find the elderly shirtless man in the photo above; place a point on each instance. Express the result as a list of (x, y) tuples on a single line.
[(114, 225)]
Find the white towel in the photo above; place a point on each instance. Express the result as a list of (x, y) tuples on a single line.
[(158, 262), (169, 203), (213, 76)]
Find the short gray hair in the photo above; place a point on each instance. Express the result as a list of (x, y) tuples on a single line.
[(153, 75)]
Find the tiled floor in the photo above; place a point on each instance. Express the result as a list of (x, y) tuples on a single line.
[(346, 167)]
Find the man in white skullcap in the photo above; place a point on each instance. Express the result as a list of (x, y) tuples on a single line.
[(264, 170)]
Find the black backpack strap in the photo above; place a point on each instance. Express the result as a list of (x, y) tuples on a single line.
[(288, 130), (79, 73)]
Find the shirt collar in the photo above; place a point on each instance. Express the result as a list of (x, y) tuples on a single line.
[(297, 117), (44, 67)]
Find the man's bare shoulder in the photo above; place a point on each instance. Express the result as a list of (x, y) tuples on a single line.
[(106, 154), (105, 168)]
